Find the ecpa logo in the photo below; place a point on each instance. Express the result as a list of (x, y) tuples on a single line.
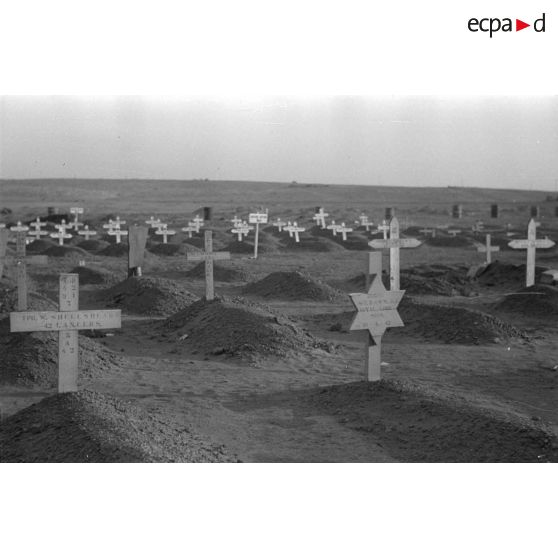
[(494, 24)]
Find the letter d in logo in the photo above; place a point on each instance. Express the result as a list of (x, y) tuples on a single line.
[(539, 25)]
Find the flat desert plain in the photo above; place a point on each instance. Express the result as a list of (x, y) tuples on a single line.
[(268, 371)]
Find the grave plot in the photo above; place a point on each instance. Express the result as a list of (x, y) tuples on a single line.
[(237, 328), (355, 240), (447, 241), (92, 276), (148, 296), (504, 275), (162, 249), (537, 301), (35, 300), (66, 252), (93, 245), (40, 246), (293, 285), (97, 428), (420, 425), (220, 273), (114, 250), (31, 359)]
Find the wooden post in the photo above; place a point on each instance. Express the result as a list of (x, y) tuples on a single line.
[(68, 348)]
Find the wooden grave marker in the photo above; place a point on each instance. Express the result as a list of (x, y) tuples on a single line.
[(531, 243), (61, 235), (118, 234), (295, 229), (394, 244), (333, 228), (165, 233), (67, 321), (279, 224), (428, 231), (189, 229), (87, 232), (152, 222), (488, 248), (76, 212), (198, 222), (241, 231), (384, 228), (257, 218), (376, 311), (320, 217), (344, 230), (236, 221), (137, 240), (454, 232), (209, 256)]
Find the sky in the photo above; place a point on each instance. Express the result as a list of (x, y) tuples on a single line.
[(498, 142)]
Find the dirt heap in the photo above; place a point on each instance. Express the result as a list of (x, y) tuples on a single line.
[(93, 245), (220, 273), (89, 276), (115, 250), (96, 428), (445, 324), (148, 295), (35, 301), (64, 251), (39, 246), (237, 328), (162, 249), (32, 358), (355, 241), (292, 285), (416, 425), (448, 241), (311, 244), (537, 301), (505, 275)]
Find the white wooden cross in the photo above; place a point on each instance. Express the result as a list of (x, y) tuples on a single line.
[(87, 232), (161, 226), (60, 235), (37, 224), (236, 221), (364, 222), (152, 222), (431, 232), (384, 228), (118, 233), (37, 232), (164, 232), (19, 228), (62, 226), (241, 230), (344, 230), (116, 222), (257, 218), (488, 248), (319, 217), (376, 311), (279, 224), (209, 256), (453, 232), (198, 222), (531, 244), (76, 212), (394, 244), (67, 321), (189, 229), (295, 229), (333, 228)]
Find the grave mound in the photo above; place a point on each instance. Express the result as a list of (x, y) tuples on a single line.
[(40, 246), (237, 328), (505, 275), (220, 273), (162, 249), (236, 247), (148, 295), (196, 242), (292, 285), (355, 241), (426, 425), (311, 244), (453, 325), (31, 359), (89, 276), (63, 251), (35, 301), (448, 241), (90, 427), (93, 245), (540, 301), (115, 250)]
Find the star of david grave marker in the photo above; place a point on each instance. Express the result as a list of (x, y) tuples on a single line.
[(376, 311)]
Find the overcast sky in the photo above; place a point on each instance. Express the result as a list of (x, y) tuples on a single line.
[(412, 141)]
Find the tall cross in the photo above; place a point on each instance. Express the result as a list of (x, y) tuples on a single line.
[(531, 244), (118, 233), (67, 321), (394, 244), (488, 248), (344, 230), (87, 232), (209, 256), (165, 233), (376, 311)]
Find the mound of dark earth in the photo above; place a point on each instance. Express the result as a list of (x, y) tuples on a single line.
[(292, 285), (445, 324), (162, 249), (237, 328), (148, 295), (220, 273), (115, 250), (236, 247), (311, 244), (416, 425), (505, 275), (196, 242), (89, 276), (32, 358), (355, 241), (538, 301), (448, 241), (93, 245), (40, 246), (63, 251), (90, 427), (35, 301)]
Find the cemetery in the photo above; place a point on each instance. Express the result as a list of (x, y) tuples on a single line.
[(262, 322)]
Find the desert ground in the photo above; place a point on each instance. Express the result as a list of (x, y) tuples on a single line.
[(268, 372)]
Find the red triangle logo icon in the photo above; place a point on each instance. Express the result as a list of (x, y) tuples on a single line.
[(519, 25)]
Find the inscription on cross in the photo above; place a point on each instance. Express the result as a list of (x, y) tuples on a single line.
[(67, 321), (531, 243), (376, 311), (209, 256), (394, 244)]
